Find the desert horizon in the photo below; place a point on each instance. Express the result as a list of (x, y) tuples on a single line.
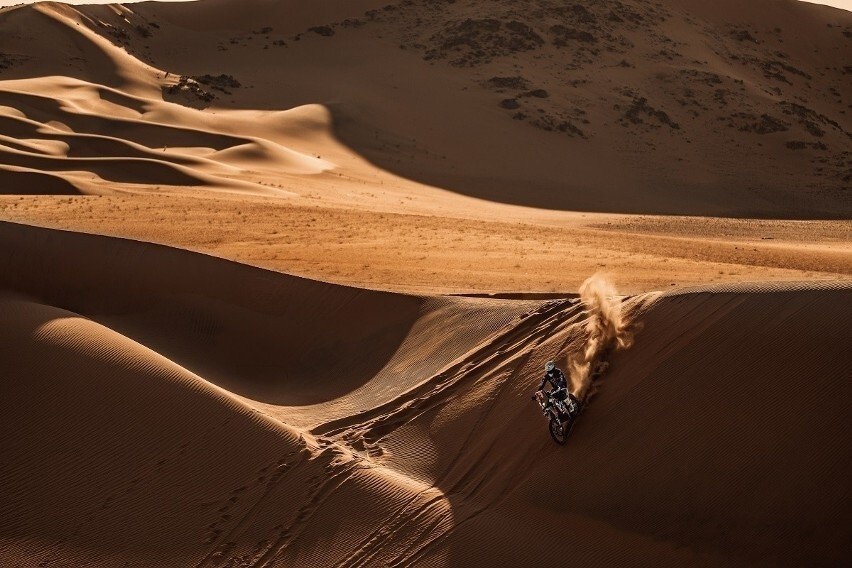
[(425, 283)]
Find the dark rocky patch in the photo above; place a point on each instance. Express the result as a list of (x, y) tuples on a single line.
[(810, 119), (8, 60), (325, 31), (773, 68), (640, 108), (508, 82), (763, 124), (473, 42), (554, 124), (743, 35), (721, 96), (219, 82), (705, 77), (575, 13), (800, 145), (190, 91), (563, 36), (352, 23)]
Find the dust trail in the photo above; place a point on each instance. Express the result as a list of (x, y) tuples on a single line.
[(607, 329)]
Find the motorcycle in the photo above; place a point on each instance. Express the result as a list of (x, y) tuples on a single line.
[(559, 413)]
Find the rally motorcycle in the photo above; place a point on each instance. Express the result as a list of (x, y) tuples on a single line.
[(559, 413)]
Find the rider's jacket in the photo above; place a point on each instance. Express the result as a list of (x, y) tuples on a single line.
[(556, 378)]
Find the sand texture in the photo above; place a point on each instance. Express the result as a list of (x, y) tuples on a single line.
[(167, 408), (278, 279)]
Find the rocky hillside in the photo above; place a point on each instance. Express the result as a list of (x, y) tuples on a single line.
[(626, 105)]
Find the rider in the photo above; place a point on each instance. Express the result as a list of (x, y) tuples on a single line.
[(558, 383)]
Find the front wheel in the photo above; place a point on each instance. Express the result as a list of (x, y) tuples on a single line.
[(558, 430)]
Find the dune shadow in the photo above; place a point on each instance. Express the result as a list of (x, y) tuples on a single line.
[(558, 175), (28, 182), (696, 415), (267, 336)]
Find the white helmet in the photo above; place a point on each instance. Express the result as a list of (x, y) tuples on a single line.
[(549, 366)]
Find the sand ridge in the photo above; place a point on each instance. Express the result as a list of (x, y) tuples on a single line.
[(435, 465)]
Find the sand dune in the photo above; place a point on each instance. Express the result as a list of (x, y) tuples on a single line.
[(153, 484), (709, 441), (85, 133), (78, 47), (726, 113), (278, 278), (19, 181)]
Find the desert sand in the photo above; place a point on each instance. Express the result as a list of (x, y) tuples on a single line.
[(277, 280)]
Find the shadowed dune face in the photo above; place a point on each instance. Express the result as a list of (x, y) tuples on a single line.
[(629, 107), (16, 181), (170, 469), (648, 107), (717, 438), (96, 134), (98, 391), (278, 340), (39, 111), (728, 407), (281, 340), (119, 148), (743, 400)]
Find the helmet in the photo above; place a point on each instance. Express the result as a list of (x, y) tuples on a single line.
[(549, 366)]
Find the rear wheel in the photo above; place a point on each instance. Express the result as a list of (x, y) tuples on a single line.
[(558, 430)]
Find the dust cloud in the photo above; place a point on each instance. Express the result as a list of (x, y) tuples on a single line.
[(607, 328)]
